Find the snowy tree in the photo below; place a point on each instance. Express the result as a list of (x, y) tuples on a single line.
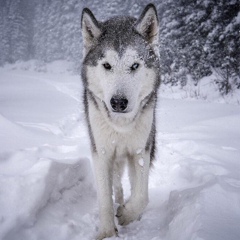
[(182, 41), (14, 34), (53, 32), (4, 43), (223, 43), (71, 32), (198, 35), (40, 37)]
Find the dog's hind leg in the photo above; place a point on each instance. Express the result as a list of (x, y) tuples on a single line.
[(138, 173)]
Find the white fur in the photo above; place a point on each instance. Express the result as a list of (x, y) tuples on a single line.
[(125, 144), (120, 138), (128, 132), (104, 84)]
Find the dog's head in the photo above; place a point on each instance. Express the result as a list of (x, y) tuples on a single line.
[(121, 62)]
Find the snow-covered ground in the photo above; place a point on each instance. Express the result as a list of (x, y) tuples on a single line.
[(46, 182)]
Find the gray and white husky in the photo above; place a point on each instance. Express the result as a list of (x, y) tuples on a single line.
[(120, 73)]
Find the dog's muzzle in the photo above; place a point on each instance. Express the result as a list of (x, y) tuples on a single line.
[(119, 103)]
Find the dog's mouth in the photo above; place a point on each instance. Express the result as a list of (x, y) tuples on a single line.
[(123, 119), (121, 113), (120, 103), (119, 116), (120, 108)]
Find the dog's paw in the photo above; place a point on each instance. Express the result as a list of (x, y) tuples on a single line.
[(107, 233), (127, 214)]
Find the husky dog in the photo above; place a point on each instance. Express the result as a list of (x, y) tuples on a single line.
[(120, 74)]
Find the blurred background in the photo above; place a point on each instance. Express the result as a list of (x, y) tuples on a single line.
[(197, 37)]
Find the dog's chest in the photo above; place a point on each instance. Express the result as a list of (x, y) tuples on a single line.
[(110, 142), (124, 144)]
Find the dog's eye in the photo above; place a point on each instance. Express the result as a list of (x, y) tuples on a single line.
[(107, 66), (134, 66)]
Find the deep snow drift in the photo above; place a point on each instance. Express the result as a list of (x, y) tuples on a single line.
[(46, 182)]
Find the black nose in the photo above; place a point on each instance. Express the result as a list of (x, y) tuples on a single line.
[(119, 103)]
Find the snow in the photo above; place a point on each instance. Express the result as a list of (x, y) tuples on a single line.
[(139, 150), (141, 162), (46, 182), (206, 89)]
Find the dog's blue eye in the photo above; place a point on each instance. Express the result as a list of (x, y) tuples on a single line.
[(107, 66), (134, 66)]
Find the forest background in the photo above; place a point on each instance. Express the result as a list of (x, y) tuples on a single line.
[(198, 38)]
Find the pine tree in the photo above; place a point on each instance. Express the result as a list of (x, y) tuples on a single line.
[(223, 44), (70, 28), (40, 29), (4, 44), (17, 31), (53, 32)]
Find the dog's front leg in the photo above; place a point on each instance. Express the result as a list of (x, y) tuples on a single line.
[(103, 176), (138, 173)]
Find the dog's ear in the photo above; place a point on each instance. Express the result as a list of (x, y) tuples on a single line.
[(147, 24), (90, 28)]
